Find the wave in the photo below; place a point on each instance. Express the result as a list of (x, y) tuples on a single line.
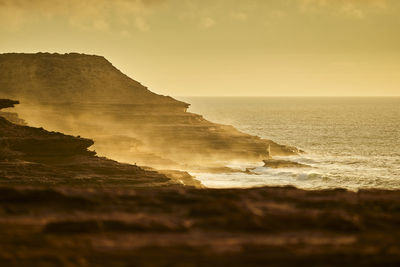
[(326, 172)]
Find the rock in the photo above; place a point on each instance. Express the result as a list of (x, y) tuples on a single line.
[(10, 116), (7, 103), (278, 163), (34, 156), (250, 171), (99, 100)]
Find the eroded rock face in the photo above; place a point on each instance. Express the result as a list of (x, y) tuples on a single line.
[(10, 116), (34, 156), (7, 103), (38, 143), (82, 94)]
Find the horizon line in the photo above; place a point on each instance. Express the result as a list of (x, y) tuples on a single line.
[(294, 96)]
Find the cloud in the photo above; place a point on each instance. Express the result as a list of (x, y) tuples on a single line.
[(207, 23), (277, 14), (351, 8), (99, 15), (125, 15), (101, 25), (141, 24), (241, 16), (11, 18)]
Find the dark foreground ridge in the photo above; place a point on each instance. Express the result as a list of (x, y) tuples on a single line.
[(115, 226)]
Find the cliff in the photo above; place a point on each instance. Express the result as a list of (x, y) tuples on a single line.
[(10, 116), (83, 94), (7, 103), (34, 156), (73, 77)]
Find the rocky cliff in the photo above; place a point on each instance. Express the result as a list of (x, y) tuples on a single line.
[(10, 116), (73, 77), (34, 156), (82, 94)]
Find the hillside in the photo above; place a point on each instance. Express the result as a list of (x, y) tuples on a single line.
[(83, 94), (56, 78)]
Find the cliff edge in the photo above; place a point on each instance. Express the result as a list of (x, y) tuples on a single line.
[(34, 156), (84, 94)]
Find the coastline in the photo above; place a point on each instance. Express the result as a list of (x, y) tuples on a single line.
[(62, 204)]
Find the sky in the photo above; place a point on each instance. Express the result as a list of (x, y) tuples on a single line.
[(222, 47)]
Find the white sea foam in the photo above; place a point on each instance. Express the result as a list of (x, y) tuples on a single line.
[(351, 143)]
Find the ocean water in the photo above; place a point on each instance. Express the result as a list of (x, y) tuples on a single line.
[(351, 143)]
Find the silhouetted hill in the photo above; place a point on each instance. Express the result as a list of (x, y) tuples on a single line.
[(73, 77)]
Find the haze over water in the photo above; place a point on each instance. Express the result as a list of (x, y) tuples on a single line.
[(351, 143)]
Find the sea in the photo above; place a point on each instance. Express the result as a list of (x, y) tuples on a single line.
[(350, 142)]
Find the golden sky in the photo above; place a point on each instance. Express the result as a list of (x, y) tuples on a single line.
[(222, 47)]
